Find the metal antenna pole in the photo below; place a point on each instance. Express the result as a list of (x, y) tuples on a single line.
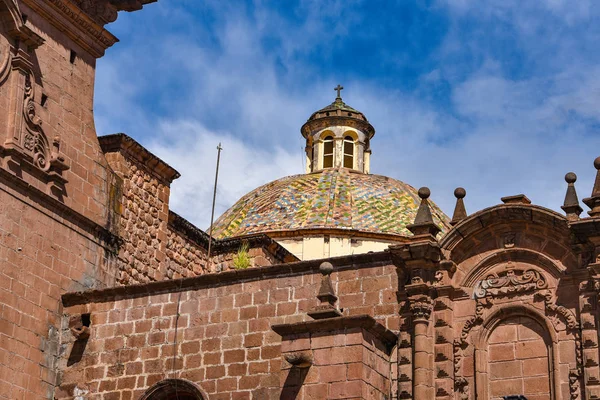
[(212, 214)]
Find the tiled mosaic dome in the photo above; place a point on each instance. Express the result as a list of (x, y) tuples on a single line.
[(328, 199)]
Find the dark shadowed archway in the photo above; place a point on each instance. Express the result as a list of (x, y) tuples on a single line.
[(173, 389)]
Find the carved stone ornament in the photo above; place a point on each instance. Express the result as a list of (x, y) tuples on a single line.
[(461, 384), (34, 140), (33, 146), (552, 308), (78, 328), (512, 282), (509, 240), (5, 58), (574, 384), (300, 359), (421, 309), (100, 11)]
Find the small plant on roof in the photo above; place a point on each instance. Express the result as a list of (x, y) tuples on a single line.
[(242, 259)]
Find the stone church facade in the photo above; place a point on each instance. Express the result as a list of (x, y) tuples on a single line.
[(106, 293)]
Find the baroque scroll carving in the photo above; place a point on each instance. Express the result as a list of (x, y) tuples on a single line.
[(34, 139), (513, 282), (29, 143), (461, 384), (556, 310)]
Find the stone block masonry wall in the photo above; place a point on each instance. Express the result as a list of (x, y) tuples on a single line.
[(50, 242), (185, 258), (224, 341), (143, 222), (142, 213), (518, 360), (336, 358), (42, 256)]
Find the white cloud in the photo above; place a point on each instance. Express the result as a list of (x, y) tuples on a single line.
[(191, 149), (498, 135)]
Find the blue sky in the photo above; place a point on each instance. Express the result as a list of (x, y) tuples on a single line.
[(500, 96)]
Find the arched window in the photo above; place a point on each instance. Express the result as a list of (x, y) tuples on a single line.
[(328, 152), (173, 389), (348, 152)]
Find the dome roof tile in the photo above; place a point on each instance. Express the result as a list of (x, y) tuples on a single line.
[(328, 199)]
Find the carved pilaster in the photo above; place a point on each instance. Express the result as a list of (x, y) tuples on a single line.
[(421, 308)]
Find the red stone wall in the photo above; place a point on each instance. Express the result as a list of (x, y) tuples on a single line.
[(42, 256), (518, 360), (144, 208), (348, 363), (224, 340), (49, 244)]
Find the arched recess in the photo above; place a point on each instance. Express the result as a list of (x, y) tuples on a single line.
[(174, 389), (518, 360)]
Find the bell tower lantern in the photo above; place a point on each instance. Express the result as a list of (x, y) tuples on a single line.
[(338, 136)]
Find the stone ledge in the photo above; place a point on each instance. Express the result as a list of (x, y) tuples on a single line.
[(364, 321), (111, 241), (368, 260)]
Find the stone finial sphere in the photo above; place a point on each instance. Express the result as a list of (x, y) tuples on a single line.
[(570, 177), (460, 193), (597, 163), (424, 193), (326, 268)]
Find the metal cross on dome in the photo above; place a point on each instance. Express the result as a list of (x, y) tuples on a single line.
[(339, 88)]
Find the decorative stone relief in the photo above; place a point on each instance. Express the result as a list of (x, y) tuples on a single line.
[(29, 144), (421, 308), (100, 11), (513, 282), (5, 58), (461, 384), (554, 309), (509, 240), (574, 384)]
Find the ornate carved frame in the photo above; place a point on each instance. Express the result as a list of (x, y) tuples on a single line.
[(26, 145)]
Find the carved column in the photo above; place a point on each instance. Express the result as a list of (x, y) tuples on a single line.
[(588, 357), (417, 268), (423, 386), (444, 333)]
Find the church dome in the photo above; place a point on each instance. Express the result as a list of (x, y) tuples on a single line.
[(333, 198)]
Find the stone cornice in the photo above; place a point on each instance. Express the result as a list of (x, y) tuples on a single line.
[(314, 125), (503, 214), (76, 24), (321, 326), (134, 151), (349, 233), (108, 239)]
